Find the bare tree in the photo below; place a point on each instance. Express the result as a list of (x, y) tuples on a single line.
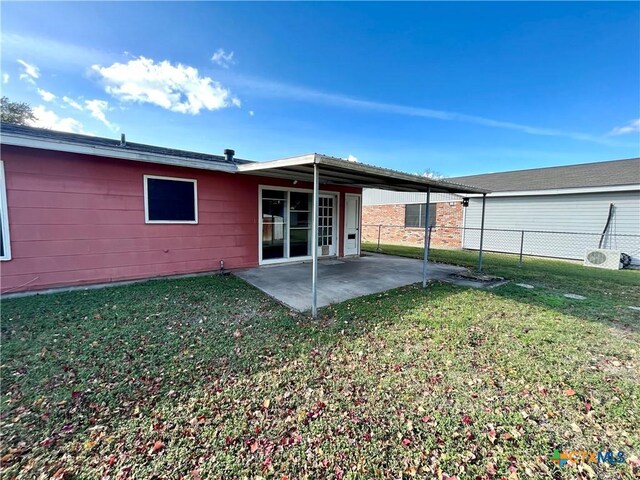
[(433, 174)]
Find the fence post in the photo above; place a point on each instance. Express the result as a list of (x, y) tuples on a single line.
[(379, 228), (521, 248), (484, 203)]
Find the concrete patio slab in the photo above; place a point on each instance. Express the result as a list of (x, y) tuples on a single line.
[(344, 279)]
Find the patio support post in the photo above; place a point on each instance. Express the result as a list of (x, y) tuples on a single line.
[(425, 257), (484, 203), (314, 243)]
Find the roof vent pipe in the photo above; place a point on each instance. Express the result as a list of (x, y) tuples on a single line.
[(229, 154), (123, 140)]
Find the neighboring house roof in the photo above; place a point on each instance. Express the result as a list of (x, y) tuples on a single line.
[(586, 175)]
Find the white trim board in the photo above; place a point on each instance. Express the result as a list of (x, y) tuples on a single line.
[(561, 191), (4, 212), (114, 152)]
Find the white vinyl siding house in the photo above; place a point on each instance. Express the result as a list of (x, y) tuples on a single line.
[(571, 201), (583, 214)]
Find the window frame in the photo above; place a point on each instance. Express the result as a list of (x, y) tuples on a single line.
[(4, 213), (432, 218), (145, 179)]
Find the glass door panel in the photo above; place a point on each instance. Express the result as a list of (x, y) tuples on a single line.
[(326, 244), (274, 225), (300, 224), (287, 225)]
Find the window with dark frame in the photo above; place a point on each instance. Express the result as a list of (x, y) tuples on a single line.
[(414, 214), (171, 200)]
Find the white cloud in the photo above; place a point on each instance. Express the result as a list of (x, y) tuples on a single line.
[(97, 109), (5, 78), (72, 103), (632, 127), (49, 52), (352, 158), (30, 73), (251, 113), (27, 78), (46, 96), (272, 89), (178, 88), (223, 58), (49, 119)]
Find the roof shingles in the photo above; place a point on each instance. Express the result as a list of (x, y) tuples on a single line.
[(600, 174)]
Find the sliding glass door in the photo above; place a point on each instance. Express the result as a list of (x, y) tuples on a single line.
[(274, 210), (286, 225), (300, 229)]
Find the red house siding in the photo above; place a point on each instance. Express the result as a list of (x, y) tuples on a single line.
[(79, 219)]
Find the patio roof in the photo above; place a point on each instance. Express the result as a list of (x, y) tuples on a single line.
[(319, 168), (337, 171)]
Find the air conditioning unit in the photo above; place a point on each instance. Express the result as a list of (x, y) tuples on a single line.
[(602, 258)]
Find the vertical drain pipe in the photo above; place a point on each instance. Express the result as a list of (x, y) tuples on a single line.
[(314, 245), (425, 256)]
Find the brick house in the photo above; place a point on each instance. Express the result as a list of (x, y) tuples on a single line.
[(402, 223)]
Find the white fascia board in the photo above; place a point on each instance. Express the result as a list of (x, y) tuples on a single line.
[(416, 180), (562, 191), (113, 152), (281, 163)]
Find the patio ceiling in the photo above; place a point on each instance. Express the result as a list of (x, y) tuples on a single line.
[(336, 171)]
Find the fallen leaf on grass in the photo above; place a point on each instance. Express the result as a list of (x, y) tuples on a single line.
[(60, 473), (157, 446), (569, 392)]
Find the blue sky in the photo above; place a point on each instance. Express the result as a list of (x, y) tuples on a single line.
[(458, 88)]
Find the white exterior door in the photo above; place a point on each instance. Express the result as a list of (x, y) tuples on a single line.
[(352, 225)]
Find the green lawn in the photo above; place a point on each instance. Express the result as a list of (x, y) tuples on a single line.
[(208, 378), (609, 292)]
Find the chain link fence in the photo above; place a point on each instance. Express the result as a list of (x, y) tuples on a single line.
[(519, 243)]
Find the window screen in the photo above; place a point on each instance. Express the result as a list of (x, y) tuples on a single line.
[(171, 200), (414, 215)]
